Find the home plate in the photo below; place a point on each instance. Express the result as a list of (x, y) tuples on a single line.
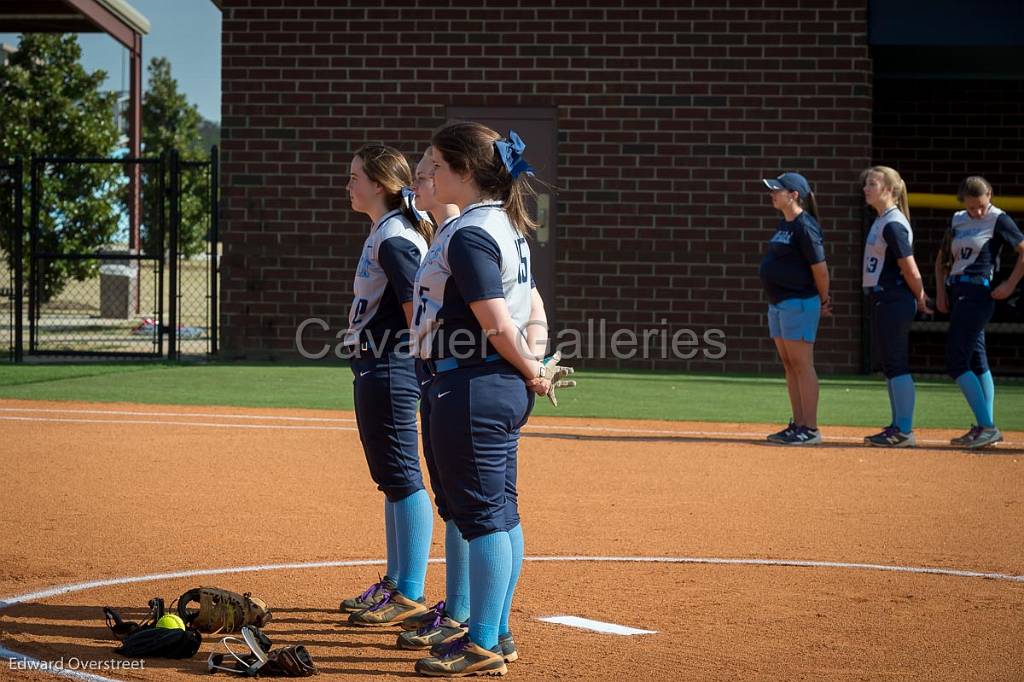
[(596, 625)]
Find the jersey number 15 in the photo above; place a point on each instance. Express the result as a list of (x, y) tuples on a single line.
[(524, 263)]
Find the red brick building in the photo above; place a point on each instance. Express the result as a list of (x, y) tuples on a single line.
[(656, 121)]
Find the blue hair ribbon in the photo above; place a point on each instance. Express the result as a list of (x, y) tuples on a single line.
[(511, 152)]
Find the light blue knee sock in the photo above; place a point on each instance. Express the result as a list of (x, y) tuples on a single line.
[(515, 536), (391, 535), (975, 394), (989, 388), (414, 525), (456, 573), (490, 567), (892, 401), (903, 402)]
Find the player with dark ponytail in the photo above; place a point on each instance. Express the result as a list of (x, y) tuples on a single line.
[(479, 324)]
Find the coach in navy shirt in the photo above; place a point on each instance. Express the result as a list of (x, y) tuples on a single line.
[(795, 278)]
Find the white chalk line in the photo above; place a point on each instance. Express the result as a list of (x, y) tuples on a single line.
[(732, 435), (38, 666), (168, 422), (215, 415)]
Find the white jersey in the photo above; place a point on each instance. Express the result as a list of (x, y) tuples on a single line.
[(970, 235), (876, 247), (376, 307), (443, 324)]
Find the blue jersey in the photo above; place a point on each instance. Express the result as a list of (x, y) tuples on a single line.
[(480, 256), (977, 242), (384, 281), (889, 239), (785, 270)]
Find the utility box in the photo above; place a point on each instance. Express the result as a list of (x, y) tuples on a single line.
[(118, 282)]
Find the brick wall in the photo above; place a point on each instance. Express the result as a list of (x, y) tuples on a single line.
[(937, 132), (668, 118)]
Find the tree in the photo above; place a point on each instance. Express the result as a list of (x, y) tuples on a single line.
[(51, 106), (170, 122)]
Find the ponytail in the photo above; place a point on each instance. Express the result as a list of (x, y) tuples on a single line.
[(902, 200), (515, 205), (809, 204), (423, 226)]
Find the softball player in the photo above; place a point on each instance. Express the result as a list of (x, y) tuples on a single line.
[(385, 383), (795, 278), (475, 296), (444, 621), (967, 264), (893, 284)]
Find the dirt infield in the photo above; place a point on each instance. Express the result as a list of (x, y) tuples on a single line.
[(104, 492)]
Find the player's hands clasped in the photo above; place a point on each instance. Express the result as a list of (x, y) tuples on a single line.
[(826, 307), (922, 305), (554, 377)]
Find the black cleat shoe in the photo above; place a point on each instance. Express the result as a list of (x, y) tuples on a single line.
[(426, 618), (373, 594), (891, 437), (391, 610), (802, 435), (436, 635), (463, 658), (967, 437), (985, 438), (508, 648), (781, 436)]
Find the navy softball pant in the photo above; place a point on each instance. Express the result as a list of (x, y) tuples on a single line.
[(425, 380), (476, 414), (892, 311), (386, 391), (971, 308)]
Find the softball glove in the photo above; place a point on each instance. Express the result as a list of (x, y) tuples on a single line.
[(221, 610)]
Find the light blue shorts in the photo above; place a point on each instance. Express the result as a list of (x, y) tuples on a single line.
[(795, 319)]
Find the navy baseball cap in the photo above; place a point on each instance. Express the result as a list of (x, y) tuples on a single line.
[(792, 182)]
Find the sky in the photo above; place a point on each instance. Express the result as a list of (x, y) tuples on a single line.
[(186, 32)]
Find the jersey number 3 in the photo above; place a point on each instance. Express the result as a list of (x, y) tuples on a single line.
[(872, 264)]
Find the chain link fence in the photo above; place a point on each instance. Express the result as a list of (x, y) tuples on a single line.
[(105, 276)]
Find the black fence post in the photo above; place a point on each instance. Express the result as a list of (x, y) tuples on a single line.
[(214, 240), (162, 246), (18, 238), (172, 255), (33, 249)]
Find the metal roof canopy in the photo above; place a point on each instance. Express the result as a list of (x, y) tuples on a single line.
[(114, 17), (120, 21)]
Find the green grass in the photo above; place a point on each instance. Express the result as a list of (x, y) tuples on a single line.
[(852, 401)]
